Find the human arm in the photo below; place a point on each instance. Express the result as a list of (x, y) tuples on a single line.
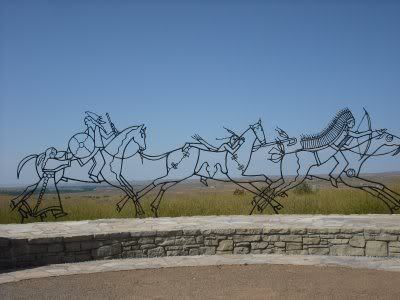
[(356, 134), (203, 142), (106, 135)]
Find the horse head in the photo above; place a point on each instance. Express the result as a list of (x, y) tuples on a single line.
[(127, 142), (258, 130), (140, 138), (383, 143)]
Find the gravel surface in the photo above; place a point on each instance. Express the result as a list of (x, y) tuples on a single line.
[(214, 282)]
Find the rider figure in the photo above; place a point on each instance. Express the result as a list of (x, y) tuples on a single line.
[(97, 132), (340, 144), (230, 146)]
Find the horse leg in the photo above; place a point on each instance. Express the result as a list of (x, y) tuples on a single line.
[(24, 195), (372, 188), (286, 187), (156, 202), (270, 188), (262, 194), (121, 203)]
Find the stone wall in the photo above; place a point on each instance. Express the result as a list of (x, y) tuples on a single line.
[(189, 240)]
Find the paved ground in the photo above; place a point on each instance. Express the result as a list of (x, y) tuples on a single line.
[(214, 282), (59, 229), (231, 276), (373, 263)]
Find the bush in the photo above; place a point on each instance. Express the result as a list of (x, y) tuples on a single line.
[(303, 189)]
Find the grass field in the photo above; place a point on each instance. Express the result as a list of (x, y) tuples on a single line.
[(193, 201)]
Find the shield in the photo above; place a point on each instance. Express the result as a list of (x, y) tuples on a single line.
[(81, 145)]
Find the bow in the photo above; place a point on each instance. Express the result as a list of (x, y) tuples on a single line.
[(366, 116)]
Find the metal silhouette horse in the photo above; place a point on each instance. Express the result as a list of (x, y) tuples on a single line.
[(100, 161), (99, 153)]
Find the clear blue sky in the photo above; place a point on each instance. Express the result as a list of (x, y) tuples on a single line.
[(183, 67)]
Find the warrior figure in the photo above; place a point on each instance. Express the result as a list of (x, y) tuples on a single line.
[(337, 135), (97, 132), (230, 146)]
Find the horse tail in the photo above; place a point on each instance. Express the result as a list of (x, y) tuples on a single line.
[(24, 161)]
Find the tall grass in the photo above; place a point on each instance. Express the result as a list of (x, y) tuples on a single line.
[(324, 201)]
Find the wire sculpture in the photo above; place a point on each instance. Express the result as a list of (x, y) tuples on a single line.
[(101, 150)]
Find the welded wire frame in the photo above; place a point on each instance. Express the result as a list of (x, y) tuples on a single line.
[(101, 150)]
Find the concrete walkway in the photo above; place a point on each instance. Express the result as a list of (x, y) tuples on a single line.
[(384, 264)]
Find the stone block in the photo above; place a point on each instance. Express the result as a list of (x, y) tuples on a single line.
[(346, 250), (4, 242), (173, 247), (357, 241), (318, 251), (225, 245), (270, 238), (194, 251), (291, 238), (241, 250), (372, 230), (267, 251), (280, 244), (223, 231), (311, 240), (38, 248), (166, 233), (147, 246), (55, 247), (83, 256), (146, 240), (297, 252), (376, 248), (191, 232), (294, 246), (177, 253), (88, 245), (249, 231), (71, 247), (350, 230), (394, 247), (338, 241), (155, 252), (210, 242), (257, 251), (246, 238), (165, 241), (185, 240), (46, 240), (207, 250), (243, 244), (107, 250), (200, 239), (129, 243), (102, 236), (136, 234), (386, 237), (344, 236), (78, 238), (133, 254), (271, 231), (298, 230), (259, 245), (118, 236)]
